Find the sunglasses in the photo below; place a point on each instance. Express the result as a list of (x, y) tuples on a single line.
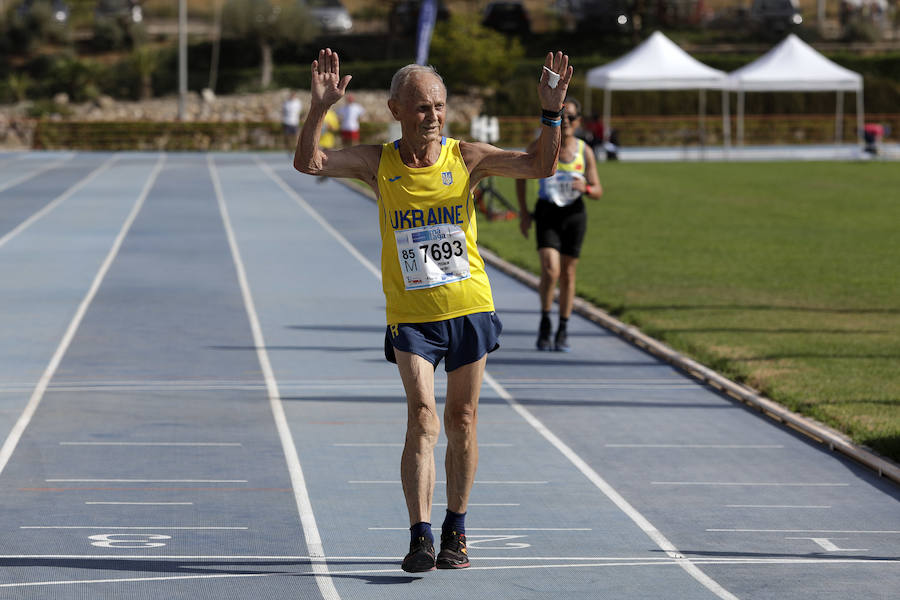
[(571, 118)]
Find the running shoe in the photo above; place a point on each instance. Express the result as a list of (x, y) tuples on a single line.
[(420, 557), (544, 343), (453, 554), (561, 344)]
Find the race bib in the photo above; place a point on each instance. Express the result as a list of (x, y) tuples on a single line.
[(432, 255), (558, 188)]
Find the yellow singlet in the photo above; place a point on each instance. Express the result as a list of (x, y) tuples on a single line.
[(430, 266)]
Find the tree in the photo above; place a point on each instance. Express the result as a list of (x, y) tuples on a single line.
[(266, 23), (468, 55)]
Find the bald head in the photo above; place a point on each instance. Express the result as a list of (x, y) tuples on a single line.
[(410, 74)]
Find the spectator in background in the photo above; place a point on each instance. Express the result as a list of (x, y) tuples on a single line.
[(560, 221), (290, 120), (349, 114)]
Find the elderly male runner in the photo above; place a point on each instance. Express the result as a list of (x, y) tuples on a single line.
[(439, 303)]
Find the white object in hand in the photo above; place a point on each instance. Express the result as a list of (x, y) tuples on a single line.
[(552, 79)]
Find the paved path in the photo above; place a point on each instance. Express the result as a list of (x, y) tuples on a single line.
[(194, 404)]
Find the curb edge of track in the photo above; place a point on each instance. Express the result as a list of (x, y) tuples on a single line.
[(833, 439)]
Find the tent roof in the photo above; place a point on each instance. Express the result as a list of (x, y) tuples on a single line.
[(656, 64), (794, 66)]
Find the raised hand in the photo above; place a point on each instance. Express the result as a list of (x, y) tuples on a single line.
[(552, 98), (327, 85)]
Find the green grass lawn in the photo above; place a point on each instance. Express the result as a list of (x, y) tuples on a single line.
[(784, 276)]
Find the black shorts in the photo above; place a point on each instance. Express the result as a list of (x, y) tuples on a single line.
[(460, 341), (560, 227)]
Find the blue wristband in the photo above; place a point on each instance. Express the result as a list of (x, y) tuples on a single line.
[(551, 122)]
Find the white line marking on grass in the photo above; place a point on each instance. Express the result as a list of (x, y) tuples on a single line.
[(150, 444), (298, 481), (67, 194), (592, 475), (610, 492), (35, 173), (18, 429), (145, 503)]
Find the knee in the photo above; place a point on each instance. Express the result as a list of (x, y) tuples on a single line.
[(423, 423), (460, 422), (550, 270)]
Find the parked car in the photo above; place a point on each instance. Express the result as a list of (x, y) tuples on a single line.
[(404, 16), (59, 9), (125, 11), (507, 17), (331, 15), (775, 16)]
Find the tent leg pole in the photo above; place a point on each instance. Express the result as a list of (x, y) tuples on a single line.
[(702, 123), (726, 123), (860, 115), (839, 118), (740, 118), (607, 101)]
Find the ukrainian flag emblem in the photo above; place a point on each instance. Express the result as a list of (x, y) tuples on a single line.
[(447, 177)]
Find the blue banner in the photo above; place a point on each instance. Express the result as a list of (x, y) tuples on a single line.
[(427, 17)]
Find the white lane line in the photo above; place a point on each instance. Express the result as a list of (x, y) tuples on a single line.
[(18, 429), (150, 444), (146, 481), (739, 560), (775, 506), (639, 562), (145, 503), (154, 527), (132, 579), (301, 495), (482, 504), (648, 528), (592, 475), (700, 446), (888, 531), (479, 482), (751, 483), (67, 194), (493, 529), (400, 445), (35, 173), (315, 215)]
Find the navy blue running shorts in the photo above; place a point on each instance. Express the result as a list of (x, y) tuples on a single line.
[(459, 341)]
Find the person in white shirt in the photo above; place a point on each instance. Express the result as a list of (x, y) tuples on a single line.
[(349, 114), (290, 120)]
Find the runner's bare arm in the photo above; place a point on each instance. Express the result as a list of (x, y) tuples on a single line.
[(328, 87), (539, 161)]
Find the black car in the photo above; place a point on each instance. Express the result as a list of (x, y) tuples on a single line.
[(404, 16), (507, 17), (128, 11)]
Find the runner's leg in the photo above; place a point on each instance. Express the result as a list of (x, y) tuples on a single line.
[(460, 425), (422, 429)]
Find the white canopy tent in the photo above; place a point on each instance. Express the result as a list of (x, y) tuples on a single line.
[(795, 66), (657, 64)]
